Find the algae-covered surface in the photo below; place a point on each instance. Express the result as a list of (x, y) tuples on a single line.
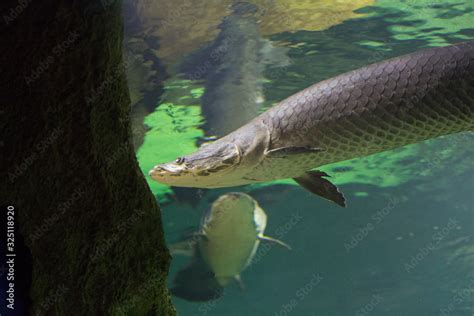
[(404, 245), (430, 20)]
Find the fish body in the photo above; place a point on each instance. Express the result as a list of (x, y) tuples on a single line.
[(228, 239), (231, 234), (379, 107)]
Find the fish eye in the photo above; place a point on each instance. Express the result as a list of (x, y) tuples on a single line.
[(179, 160)]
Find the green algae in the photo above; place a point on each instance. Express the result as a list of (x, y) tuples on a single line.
[(172, 134), (429, 21), (197, 92)]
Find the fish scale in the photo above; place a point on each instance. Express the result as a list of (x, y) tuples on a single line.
[(386, 105)]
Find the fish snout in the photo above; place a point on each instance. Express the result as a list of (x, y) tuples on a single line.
[(155, 172), (159, 171), (166, 170)]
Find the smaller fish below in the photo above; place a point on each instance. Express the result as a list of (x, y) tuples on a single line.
[(228, 238)]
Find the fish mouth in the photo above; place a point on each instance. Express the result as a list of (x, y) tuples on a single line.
[(160, 172)]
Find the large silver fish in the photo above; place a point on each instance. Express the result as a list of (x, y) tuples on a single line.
[(379, 107), (227, 241)]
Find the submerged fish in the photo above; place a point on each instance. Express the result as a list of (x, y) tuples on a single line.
[(232, 67), (379, 107), (227, 241)]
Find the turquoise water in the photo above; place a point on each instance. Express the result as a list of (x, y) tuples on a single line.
[(405, 243)]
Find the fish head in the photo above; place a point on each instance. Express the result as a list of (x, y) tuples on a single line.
[(229, 209), (199, 168), (222, 163)]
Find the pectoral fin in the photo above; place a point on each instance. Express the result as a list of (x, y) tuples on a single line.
[(284, 152), (187, 246), (274, 241), (239, 281), (314, 182)]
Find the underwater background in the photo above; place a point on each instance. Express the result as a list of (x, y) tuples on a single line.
[(405, 243)]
